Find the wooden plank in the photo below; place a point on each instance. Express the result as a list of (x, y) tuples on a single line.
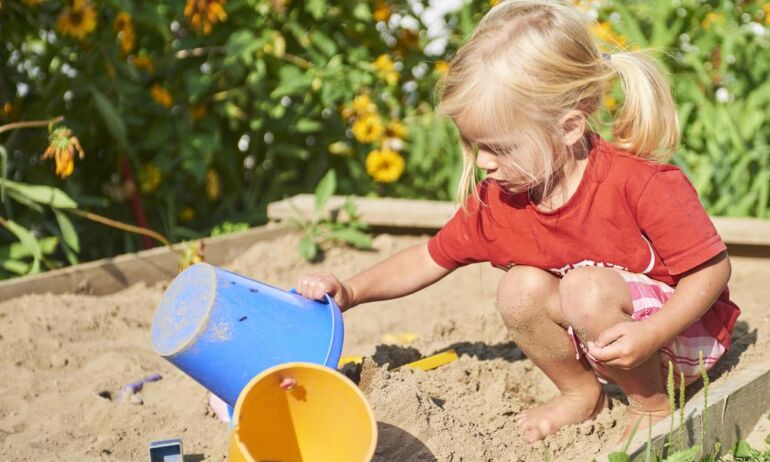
[(383, 212), (425, 214), (109, 275), (734, 408)]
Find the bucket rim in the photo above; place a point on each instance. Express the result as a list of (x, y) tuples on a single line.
[(212, 295)]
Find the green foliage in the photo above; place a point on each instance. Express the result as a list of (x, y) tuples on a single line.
[(186, 128), (228, 227), (320, 228), (719, 60)]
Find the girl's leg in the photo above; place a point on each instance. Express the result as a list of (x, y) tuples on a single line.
[(528, 300), (594, 299)]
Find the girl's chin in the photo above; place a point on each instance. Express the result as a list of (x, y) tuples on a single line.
[(512, 188)]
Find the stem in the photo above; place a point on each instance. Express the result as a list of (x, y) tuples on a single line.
[(30, 124), (296, 60), (124, 226)]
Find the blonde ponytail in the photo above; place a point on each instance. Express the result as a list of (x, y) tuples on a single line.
[(647, 123)]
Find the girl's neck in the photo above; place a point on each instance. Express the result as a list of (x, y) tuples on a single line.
[(565, 183)]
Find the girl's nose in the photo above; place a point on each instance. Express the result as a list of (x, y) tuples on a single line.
[(486, 161)]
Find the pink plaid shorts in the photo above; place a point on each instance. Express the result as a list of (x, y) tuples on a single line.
[(648, 296)]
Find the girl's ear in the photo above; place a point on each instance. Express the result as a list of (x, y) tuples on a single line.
[(573, 126)]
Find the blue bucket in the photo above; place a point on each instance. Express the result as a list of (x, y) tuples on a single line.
[(223, 329)]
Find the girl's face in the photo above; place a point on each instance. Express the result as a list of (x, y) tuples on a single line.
[(513, 169)]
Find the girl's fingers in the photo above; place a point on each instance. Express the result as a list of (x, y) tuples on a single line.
[(605, 354), (610, 335)]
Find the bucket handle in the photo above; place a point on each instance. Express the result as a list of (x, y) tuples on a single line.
[(328, 300)]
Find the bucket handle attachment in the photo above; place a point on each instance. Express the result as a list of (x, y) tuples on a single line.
[(328, 300)]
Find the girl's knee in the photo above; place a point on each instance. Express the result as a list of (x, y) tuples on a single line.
[(593, 293), (525, 292)]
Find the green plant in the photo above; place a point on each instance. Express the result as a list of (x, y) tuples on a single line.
[(321, 228)]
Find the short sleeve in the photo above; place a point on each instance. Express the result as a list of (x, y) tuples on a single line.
[(671, 215), (460, 242)]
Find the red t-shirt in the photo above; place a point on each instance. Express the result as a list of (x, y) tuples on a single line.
[(627, 212)]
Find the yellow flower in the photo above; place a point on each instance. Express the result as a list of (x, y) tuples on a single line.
[(610, 102), (144, 62), (198, 111), (766, 9), (385, 166), (78, 20), (493, 3), (7, 109), (362, 105), (32, 3), (124, 26), (381, 11), (187, 214), (712, 18), (203, 14), (192, 254), (149, 178), (368, 128), (442, 67), (62, 147), (161, 95), (396, 129), (603, 31), (386, 69), (213, 185)]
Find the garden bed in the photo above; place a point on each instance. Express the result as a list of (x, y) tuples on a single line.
[(61, 352)]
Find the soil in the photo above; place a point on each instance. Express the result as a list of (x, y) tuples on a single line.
[(65, 359)]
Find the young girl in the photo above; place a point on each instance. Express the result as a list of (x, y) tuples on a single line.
[(612, 267)]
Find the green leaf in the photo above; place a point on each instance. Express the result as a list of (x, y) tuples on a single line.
[(316, 8), (27, 239), (308, 125), (3, 171), (26, 201), (362, 12), (743, 450), (353, 237), (46, 195), (68, 233), (18, 251), (293, 81), (114, 122), (685, 455), (308, 248), (324, 191), (619, 457), (14, 266), (323, 43)]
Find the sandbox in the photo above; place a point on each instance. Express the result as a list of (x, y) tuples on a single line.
[(65, 356)]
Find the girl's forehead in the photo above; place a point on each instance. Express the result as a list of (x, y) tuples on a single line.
[(481, 128)]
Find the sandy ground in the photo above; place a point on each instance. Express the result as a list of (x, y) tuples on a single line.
[(64, 358)]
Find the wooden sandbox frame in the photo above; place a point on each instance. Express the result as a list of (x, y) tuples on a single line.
[(734, 407)]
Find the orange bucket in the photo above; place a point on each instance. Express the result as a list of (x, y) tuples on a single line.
[(322, 417)]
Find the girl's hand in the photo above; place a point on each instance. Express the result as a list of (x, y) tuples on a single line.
[(316, 286), (625, 345)]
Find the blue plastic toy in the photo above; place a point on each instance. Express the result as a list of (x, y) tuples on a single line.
[(166, 451), (223, 329)]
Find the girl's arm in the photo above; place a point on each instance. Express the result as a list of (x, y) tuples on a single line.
[(695, 293), (629, 344), (401, 274)]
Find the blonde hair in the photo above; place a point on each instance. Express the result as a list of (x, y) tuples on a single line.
[(526, 66)]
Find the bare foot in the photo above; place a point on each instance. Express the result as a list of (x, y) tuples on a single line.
[(639, 421), (535, 424)]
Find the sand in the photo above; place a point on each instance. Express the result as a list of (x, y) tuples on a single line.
[(64, 359)]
